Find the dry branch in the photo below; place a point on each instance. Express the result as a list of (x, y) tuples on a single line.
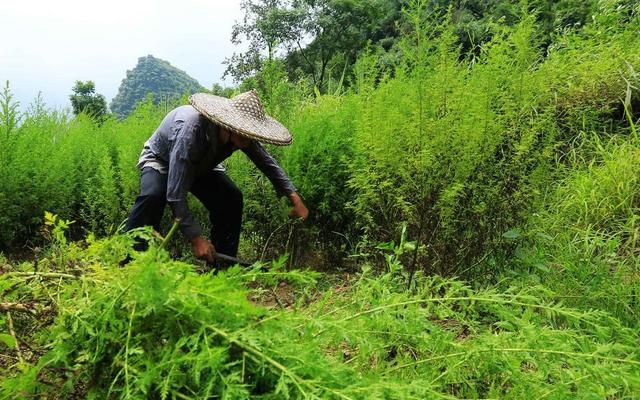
[(15, 338), (19, 307)]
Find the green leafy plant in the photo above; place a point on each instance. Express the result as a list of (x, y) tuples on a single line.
[(158, 329)]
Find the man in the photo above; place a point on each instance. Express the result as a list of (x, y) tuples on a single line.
[(184, 155)]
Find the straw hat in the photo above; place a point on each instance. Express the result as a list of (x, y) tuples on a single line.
[(242, 114)]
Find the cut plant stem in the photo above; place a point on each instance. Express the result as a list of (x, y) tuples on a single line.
[(175, 225), (15, 338)]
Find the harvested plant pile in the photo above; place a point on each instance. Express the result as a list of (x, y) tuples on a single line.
[(84, 327)]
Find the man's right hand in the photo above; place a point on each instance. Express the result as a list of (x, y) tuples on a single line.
[(202, 249)]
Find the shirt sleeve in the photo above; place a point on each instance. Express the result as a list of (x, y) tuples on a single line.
[(270, 168), (181, 177)]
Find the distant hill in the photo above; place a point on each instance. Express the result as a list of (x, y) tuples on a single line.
[(151, 75)]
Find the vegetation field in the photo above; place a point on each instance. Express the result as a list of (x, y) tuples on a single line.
[(473, 179)]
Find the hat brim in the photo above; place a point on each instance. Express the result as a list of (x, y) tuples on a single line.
[(221, 111)]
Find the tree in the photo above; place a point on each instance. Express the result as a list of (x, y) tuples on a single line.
[(268, 25), (341, 30), (9, 114), (314, 36), (222, 91), (85, 100)]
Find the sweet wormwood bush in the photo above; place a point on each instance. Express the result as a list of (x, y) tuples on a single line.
[(585, 241), (482, 133), (156, 329), (74, 167), (28, 169), (457, 342), (318, 161), (582, 242), (460, 149), (462, 128), (317, 164)]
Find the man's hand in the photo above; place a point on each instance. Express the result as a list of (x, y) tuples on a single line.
[(299, 210), (202, 249)]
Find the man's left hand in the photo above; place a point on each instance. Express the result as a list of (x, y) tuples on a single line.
[(299, 210)]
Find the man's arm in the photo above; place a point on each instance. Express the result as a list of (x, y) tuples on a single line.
[(179, 182), (279, 179)]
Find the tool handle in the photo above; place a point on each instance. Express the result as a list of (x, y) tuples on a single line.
[(229, 259)]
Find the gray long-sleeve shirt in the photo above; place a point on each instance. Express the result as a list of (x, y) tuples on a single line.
[(186, 145)]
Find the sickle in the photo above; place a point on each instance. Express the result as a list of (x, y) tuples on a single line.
[(232, 260)]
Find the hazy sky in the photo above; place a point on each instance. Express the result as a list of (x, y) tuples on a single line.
[(46, 45)]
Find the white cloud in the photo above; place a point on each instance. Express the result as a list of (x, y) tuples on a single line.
[(47, 45)]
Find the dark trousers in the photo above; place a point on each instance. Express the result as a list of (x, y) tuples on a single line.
[(214, 189)]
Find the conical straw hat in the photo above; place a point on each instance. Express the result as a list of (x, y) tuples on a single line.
[(242, 114)]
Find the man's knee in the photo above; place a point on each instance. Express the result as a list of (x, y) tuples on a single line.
[(236, 197), (153, 187), (155, 197), (231, 205)]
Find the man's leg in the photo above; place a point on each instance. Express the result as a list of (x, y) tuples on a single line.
[(223, 200), (149, 205)]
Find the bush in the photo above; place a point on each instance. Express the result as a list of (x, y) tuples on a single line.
[(586, 239)]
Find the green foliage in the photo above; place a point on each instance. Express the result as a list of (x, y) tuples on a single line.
[(462, 150), (85, 100), (339, 32), (57, 227), (103, 211), (336, 31), (469, 131), (466, 148), (221, 91), (586, 237), (515, 166), (152, 75), (267, 25), (77, 168), (321, 41), (156, 329), (9, 114)]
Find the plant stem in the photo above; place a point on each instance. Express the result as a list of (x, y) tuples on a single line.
[(16, 307), (175, 225), (515, 350), (15, 338), (126, 350), (41, 275), (437, 300)]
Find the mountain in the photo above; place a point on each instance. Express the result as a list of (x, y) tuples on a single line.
[(151, 75)]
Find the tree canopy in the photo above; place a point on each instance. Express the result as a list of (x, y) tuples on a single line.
[(85, 100), (314, 36), (320, 40)]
